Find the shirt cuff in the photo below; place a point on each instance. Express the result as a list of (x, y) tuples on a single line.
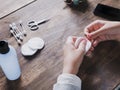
[(69, 79)]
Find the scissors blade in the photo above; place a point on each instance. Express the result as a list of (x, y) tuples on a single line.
[(44, 21)]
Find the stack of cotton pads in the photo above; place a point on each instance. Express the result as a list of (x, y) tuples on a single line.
[(88, 45), (31, 47)]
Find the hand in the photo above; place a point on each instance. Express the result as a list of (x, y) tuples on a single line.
[(73, 56), (101, 30)]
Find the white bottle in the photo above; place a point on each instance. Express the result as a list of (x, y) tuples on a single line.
[(9, 61)]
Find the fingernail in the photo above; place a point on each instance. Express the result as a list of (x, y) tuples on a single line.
[(95, 44), (88, 37)]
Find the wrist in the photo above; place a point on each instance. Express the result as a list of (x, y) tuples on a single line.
[(70, 69)]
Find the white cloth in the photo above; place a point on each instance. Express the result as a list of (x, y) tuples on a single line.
[(68, 82)]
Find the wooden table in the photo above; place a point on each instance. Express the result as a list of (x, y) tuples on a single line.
[(40, 72)]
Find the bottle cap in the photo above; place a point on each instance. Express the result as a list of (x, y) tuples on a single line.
[(4, 48)]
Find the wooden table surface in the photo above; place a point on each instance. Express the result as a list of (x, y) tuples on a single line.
[(40, 72)]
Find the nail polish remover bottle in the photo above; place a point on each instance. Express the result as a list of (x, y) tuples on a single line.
[(9, 61)]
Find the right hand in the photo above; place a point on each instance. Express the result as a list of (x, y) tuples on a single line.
[(100, 30)]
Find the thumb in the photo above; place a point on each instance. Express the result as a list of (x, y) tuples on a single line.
[(82, 46)]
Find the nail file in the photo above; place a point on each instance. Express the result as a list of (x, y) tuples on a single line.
[(88, 45), (36, 43)]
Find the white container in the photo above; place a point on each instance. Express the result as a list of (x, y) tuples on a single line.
[(9, 61)]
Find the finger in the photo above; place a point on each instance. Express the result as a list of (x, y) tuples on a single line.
[(92, 30), (96, 26), (69, 40), (74, 38), (95, 43), (78, 41), (97, 33), (70, 43), (98, 40), (90, 27), (82, 46), (92, 48), (89, 54)]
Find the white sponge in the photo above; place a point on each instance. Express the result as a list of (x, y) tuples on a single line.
[(36, 43), (31, 47), (88, 45)]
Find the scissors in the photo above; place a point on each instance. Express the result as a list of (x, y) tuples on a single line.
[(34, 25)]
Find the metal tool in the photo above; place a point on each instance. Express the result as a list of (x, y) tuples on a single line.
[(23, 29), (34, 25)]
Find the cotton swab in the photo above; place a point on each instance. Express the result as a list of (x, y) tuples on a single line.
[(19, 42), (17, 29), (23, 29)]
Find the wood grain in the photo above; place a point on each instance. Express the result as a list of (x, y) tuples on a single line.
[(10, 6), (40, 72)]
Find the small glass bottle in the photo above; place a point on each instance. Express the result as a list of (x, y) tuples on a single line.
[(9, 61)]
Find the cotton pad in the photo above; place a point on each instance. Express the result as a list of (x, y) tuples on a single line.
[(31, 47), (36, 43), (26, 51), (88, 45)]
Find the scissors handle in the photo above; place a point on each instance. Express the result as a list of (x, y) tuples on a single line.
[(31, 23), (34, 25)]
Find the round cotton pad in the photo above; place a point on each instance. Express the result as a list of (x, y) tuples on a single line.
[(88, 45), (36, 43), (26, 51)]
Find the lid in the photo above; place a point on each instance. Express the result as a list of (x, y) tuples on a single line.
[(4, 48)]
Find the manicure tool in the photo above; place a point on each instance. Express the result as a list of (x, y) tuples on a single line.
[(34, 25)]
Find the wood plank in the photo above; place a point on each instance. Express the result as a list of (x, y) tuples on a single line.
[(40, 72), (10, 6)]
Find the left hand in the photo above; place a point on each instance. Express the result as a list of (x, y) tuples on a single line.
[(73, 56)]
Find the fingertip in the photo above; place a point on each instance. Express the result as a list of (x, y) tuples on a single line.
[(69, 38), (92, 49), (82, 44), (89, 37), (95, 43), (89, 54)]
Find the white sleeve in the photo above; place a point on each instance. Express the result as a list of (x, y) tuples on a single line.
[(68, 80)]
